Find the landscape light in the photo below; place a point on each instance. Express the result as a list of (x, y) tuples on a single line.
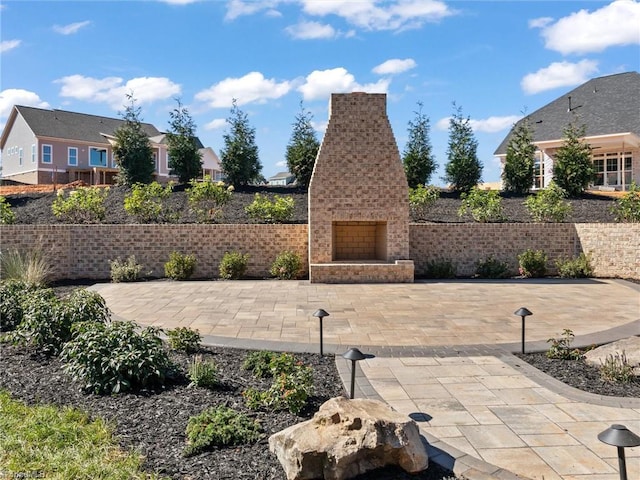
[(320, 314)]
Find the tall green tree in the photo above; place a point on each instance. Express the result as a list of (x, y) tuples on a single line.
[(517, 175), (239, 156), (185, 160), (573, 170), (302, 148), (463, 170), (417, 158), (132, 148)]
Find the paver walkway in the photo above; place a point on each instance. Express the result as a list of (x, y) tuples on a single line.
[(441, 356)]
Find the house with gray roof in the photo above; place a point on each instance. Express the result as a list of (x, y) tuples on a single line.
[(609, 108)]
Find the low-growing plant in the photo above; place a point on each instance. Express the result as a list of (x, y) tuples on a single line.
[(441, 269), (43, 324), (492, 268), (421, 199), (31, 267), (180, 266), (12, 293), (115, 357), (220, 427), (7, 216), (125, 271), (533, 263), (82, 205), (617, 369), (627, 208), (578, 267), (549, 205), (147, 203), (83, 305), (206, 199), (280, 210), (484, 205), (184, 339), (289, 391), (203, 373), (286, 266), (561, 347), (233, 265), (264, 363)]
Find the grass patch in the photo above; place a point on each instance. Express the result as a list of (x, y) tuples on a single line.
[(60, 443)]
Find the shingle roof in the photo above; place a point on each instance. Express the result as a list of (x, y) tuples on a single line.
[(605, 105)]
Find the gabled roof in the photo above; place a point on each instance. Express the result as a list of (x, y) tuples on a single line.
[(281, 175), (605, 105)]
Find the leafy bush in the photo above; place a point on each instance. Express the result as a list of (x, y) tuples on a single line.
[(280, 210), (125, 271), (207, 198), (421, 199), (84, 305), (202, 373), (263, 363), (617, 369), (289, 391), (219, 427), (43, 323), (561, 347), (12, 303), (492, 268), (441, 269), (147, 203), (484, 205), (579, 267), (114, 357), (83, 205), (31, 267), (7, 216), (286, 266), (179, 266), (627, 208), (233, 265), (533, 263), (549, 205), (183, 339)]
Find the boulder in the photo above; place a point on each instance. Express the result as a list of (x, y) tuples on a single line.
[(346, 438), (630, 346)]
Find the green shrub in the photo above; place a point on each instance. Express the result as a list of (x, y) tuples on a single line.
[(207, 198), (263, 363), (84, 305), (441, 269), (549, 205), (233, 265), (484, 205), (533, 263), (30, 267), (280, 210), (125, 271), (183, 339), (627, 208), (579, 267), (7, 216), (286, 266), (492, 268), (114, 357), (617, 369), (289, 391), (43, 324), (12, 303), (202, 373), (561, 347), (179, 266), (147, 203), (421, 199), (219, 427), (83, 205)]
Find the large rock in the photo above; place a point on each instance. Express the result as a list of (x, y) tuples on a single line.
[(630, 346), (346, 438)]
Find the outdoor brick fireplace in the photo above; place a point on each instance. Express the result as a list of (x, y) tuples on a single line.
[(358, 197)]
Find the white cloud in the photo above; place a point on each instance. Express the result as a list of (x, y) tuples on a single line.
[(7, 45), (559, 74), (321, 83), (583, 31), (179, 2), (17, 96), (112, 90), (253, 87), (320, 126), (494, 124), (71, 28), (281, 163), (540, 22), (238, 8), (215, 124), (311, 31), (393, 66), (443, 124)]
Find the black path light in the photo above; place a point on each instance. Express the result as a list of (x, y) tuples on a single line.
[(320, 314), (523, 312), (354, 355), (621, 437)]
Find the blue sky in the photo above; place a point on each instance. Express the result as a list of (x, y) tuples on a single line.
[(495, 59)]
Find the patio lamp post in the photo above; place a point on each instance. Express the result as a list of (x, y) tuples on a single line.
[(354, 355), (620, 436), (320, 314), (523, 312)]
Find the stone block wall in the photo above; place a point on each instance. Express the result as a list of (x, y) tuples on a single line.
[(614, 248)]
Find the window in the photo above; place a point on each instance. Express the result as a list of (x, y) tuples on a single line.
[(33, 153), (97, 157), (612, 169), (20, 156), (47, 153), (538, 171), (72, 156)]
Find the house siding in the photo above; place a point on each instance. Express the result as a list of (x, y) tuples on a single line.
[(20, 136)]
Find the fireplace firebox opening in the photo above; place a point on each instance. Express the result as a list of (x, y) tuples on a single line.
[(361, 241)]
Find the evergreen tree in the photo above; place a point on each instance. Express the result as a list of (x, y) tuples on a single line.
[(517, 175), (417, 158), (463, 170), (239, 157), (132, 148), (185, 160), (572, 167), (302, 148)]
